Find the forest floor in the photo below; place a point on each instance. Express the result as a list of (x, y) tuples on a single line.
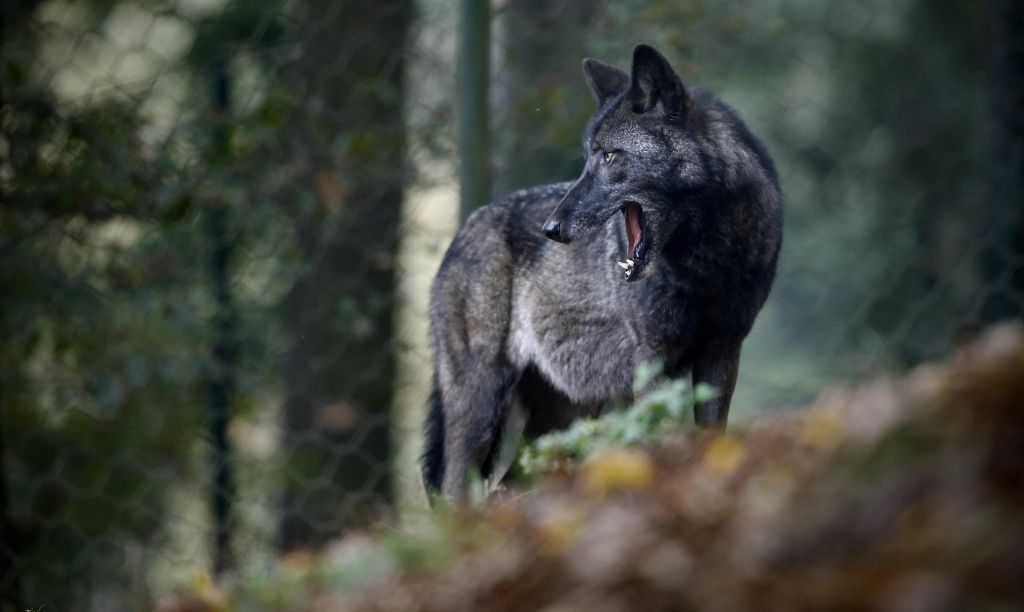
[(899, 494)]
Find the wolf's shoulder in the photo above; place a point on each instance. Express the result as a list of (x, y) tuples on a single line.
[(516, 212), (512, 206), (529, 203), (527, 210), (531, 196), (510, 224)]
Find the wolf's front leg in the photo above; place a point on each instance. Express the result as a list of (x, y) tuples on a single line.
[(475, 403), (716, 365)]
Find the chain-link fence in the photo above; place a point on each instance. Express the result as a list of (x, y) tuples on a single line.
[(219, 221)]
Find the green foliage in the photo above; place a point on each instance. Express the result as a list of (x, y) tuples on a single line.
[(663, 409)]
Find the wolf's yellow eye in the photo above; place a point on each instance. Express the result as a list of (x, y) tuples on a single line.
[(608, 157)]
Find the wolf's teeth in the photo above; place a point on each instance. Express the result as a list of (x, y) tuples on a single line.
[(624, 265), (630, 262)]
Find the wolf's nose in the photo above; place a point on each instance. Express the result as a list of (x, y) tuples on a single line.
[(552, 229)]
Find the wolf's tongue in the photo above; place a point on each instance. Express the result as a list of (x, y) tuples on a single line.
[(632, 215)]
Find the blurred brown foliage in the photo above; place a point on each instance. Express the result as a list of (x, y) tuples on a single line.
[(898, 494)]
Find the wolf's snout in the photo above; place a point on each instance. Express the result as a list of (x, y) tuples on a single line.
[(553, 230)]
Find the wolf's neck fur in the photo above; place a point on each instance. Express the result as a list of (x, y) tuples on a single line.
[(677, 256)]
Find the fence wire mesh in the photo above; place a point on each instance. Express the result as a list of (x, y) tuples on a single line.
[(219, 221)]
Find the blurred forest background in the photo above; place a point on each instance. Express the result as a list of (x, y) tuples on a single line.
[(219, 221)]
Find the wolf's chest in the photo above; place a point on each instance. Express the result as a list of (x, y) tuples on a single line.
[(587, 348)]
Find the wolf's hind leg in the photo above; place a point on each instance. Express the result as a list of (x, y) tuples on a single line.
[(506, 444), (475, 407)]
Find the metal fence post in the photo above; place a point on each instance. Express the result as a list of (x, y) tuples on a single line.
[(222, 379), (473, 105)]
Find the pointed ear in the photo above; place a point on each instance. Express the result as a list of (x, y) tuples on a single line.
[(656, 84), (604, 80)]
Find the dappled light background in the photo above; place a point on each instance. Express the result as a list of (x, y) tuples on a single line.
[(219, 221)]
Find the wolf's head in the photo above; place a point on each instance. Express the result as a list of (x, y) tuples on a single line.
[(641, 159)]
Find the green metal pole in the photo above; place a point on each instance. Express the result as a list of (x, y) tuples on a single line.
[(221, 390), (474, 108)]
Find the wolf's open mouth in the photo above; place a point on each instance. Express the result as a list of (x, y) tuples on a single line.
[(633, 217)]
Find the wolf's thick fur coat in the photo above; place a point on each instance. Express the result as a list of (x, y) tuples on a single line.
[(533, 319)]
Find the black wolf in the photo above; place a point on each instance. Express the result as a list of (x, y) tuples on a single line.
[(548, 298)]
